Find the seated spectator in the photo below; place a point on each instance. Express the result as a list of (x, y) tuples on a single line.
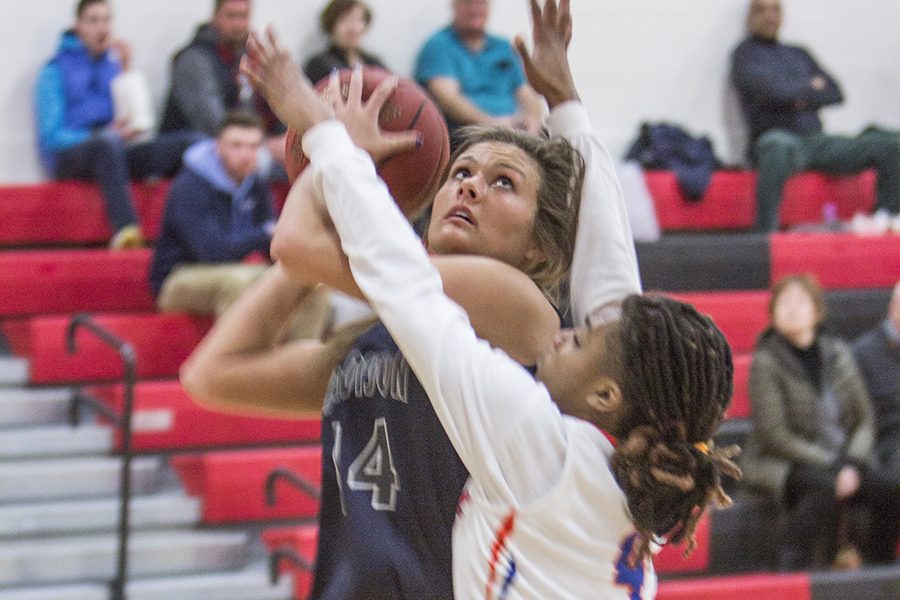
[(218, 214), (781, 89), (206, 81), (475, 77), (813, 427), (344, 22), (78, 134), (878, 354)]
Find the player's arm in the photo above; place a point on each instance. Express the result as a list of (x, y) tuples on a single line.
[(481, 397), (309, 250), (242, 366), (604, 266)]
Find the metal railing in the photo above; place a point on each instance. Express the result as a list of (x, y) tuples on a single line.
[(121, 421)]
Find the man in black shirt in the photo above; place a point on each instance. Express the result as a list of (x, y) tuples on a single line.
[(781, 89)]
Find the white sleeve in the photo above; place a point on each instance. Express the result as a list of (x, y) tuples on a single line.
[(487, 403), (604, 267)]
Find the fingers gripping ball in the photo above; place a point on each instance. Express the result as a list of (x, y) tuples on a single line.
[(412, 177)]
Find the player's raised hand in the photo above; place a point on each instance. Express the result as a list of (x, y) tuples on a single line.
[(273, 73), (547, 65), (360, 117)]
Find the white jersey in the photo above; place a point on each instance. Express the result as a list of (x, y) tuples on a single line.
[(541, 516)]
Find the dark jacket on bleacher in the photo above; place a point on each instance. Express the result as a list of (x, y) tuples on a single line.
[(787, 411), (878, 355), (773, 82), (208, 218)]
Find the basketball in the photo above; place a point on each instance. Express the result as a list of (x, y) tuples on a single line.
[(412, 177)]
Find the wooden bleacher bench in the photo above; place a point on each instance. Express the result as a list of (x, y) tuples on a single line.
[(44, 282), (66, 213), (165, 418), (161, 341), (231, 483), (729, 203)]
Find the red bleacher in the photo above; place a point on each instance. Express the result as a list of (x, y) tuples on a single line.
[(746, 587), (838, 261), (740, 400), (231, 483), (730, 201), (161, 343), (65, 281), (71, 212), (671, 559), (165, 418), (741, 315), (302, 540)]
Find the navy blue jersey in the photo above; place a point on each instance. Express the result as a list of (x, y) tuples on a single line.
[(391, 482)]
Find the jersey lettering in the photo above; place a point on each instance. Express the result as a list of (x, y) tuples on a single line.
[(369, 375), (374, 469)]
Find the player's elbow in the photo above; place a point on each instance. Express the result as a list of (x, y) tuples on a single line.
[(199, 380)]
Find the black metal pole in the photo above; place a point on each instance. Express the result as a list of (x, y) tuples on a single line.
[(129, 359)]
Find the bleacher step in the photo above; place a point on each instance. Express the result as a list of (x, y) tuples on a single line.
[(57, 440), (23, 407), (170, 509), (13, 371), (58, 478), (91, 558), (68, 592), (250, 584)]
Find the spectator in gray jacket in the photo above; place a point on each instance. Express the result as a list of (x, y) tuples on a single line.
[(813, 426), (206, 82)]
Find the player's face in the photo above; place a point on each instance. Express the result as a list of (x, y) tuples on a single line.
[(794, 314), (488, 205), (232, 21), (239, 149), (349, 29), (570, 368), (765, 18), (94, 26), (470, 16)]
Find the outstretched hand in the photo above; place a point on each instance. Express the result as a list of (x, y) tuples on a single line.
[(277, 77), (361, 117), (547, 66)]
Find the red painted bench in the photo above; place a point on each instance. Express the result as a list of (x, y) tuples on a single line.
[(165, 418), (301, 541), (71, 212), (730, 201), (838, 260), (232, 484), (64, 281), (741, 315), (161, 342), (671, 560), (743, 587), (740, 400)]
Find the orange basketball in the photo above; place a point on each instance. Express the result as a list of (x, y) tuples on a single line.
[(412, 177)]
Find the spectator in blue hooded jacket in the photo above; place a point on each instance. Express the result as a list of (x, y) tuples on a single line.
[(78, 134), (219, 214)]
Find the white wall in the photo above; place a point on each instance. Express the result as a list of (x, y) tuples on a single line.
[(634, 60)]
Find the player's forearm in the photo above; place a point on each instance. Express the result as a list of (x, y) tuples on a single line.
[(604, 266), (221, 368)]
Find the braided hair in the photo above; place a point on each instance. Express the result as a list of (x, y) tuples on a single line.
[(675, 372)]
